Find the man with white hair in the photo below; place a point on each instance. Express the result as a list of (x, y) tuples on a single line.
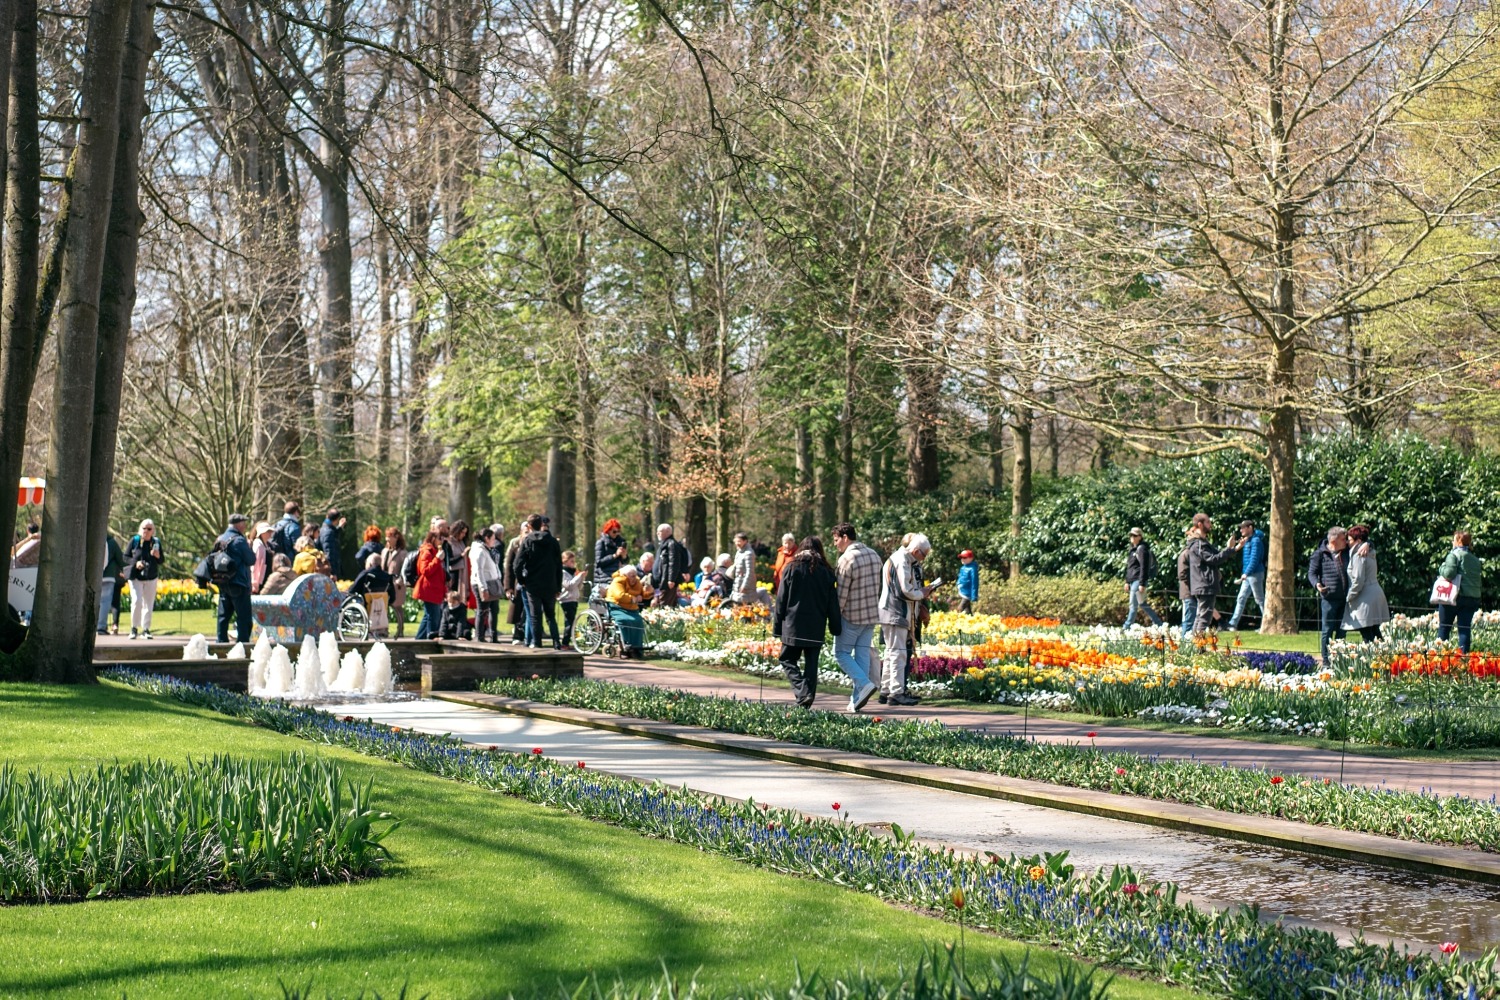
[(901, 590), (674, 566)]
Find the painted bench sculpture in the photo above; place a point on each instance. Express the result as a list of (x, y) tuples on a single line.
[(310, 606)]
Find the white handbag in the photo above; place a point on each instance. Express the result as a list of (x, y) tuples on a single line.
[(1445, 591)]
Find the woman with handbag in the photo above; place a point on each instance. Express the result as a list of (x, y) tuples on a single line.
[(1461, 570)]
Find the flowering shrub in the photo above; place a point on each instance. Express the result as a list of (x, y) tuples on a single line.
[(1406, 815), (927, 668), (1110, 917), (177, 595)]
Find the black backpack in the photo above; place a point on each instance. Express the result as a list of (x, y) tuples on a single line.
[(409, 569), (221, 565)]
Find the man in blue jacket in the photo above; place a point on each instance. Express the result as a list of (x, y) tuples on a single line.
[(330, 537), (285, 532), (234, 588), (1253, 566)]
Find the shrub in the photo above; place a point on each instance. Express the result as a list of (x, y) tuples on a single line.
[(1412, 493), (952, 521), (152, 828), (1076, 600)]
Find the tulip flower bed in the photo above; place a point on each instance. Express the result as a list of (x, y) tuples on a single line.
[(177, 595), (1420, 817), (1110, 916), (151, 828)]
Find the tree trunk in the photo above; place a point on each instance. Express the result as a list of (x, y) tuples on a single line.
[(874, 473), (803, 498), (995, 433), (562, 490), (336, 265), (695, 526), (588, 512), (385, 386), (463, 484), (924, 472), (60, 645), (19, 337), (1020, 478), (1052, 446), (118, 287)]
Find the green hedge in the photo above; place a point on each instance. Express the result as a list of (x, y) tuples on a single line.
[(1412, 493), (1077, 600), (952, 521)]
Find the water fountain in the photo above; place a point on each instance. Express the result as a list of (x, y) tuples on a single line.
[(309, 682), (278, 674), (197, 648), (260, 660), (236, 652), (351, 676), (379, 681), (328, 657)]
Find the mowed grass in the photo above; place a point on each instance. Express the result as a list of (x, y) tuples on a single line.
[(491, 896)]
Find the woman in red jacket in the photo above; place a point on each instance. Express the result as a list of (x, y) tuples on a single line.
[(432, 584)]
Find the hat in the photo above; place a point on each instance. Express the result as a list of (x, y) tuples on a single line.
[(237, 519), (1247, 523), (1137, 533), (261, 528), (966, 554)]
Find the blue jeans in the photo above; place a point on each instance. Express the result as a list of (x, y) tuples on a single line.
[(1332, 620), (106, 597), (432, 618), (1461, 614), (1138, 603), (1251, 585), (526, 634), (1189, 615), (852, 648)]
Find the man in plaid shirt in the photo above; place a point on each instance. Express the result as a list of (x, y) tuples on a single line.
[(859, 604)]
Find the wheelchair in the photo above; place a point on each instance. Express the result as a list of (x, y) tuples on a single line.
[(354, 618), (594, 630)]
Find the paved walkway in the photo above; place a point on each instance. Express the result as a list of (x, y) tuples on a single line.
[(1330, 892), (1479, 779)]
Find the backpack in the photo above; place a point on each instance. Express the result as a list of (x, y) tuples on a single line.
[(409, 569), (221, 565)]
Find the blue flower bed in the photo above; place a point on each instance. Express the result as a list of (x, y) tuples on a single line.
[(1278, 662), (1106, 917)]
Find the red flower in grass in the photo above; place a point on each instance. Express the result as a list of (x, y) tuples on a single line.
[(348, 718), (1277, 779), (493, 747), (536, 677), (1449, 947), (1131, 889), (581, 765), (536, 751), (877, 718), (835, 807), (1091, 735), (1120, 771), (395, 729)]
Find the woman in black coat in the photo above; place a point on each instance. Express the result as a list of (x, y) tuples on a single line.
[(807, 606)]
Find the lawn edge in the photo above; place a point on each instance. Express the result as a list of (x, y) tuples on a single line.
[(1432, 859)]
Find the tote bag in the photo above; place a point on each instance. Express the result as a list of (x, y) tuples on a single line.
[(1445, 591)]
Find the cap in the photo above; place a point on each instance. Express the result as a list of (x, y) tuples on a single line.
[(237, 519), (1247, 524), (261, 528), (1137, 533), (966, 554)]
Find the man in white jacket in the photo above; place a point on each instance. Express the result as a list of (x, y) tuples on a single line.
[(900, 592)]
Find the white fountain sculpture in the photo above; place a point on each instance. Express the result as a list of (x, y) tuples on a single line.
[(278, 674), (260, 660), (309, 678), (351, 673), (328, 656), (197, 648), (379, 681)]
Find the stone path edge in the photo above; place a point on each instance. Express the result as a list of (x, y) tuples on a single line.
[(1433, 859)]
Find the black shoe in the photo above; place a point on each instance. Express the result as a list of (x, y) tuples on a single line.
[(904, 699), (805, 702), (884, 698)]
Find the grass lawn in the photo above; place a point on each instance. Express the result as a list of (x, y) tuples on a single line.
[(491, 896)]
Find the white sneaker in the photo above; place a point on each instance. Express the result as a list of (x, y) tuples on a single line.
[(858, 699)]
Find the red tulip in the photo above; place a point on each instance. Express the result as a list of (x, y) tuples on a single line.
[(1131, 889), (1120, 771), (580, 765), (1092, 735), (1449, 947), (1277, 779), (835, 807), (537, 751)]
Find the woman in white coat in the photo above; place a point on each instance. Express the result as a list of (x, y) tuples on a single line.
[(1366, 609)]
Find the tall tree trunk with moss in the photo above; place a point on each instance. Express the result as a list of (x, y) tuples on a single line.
[(59, 647)]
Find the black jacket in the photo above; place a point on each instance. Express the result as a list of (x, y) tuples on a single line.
[(365, 552), (807, 604), (673, 562), (455, 622), (539, 563), (374, 581), (1140, 565), (1203, 566), (149, 554), (606, 563), (1331, 569)]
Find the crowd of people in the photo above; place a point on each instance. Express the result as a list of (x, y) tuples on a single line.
[(1343, 570)]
